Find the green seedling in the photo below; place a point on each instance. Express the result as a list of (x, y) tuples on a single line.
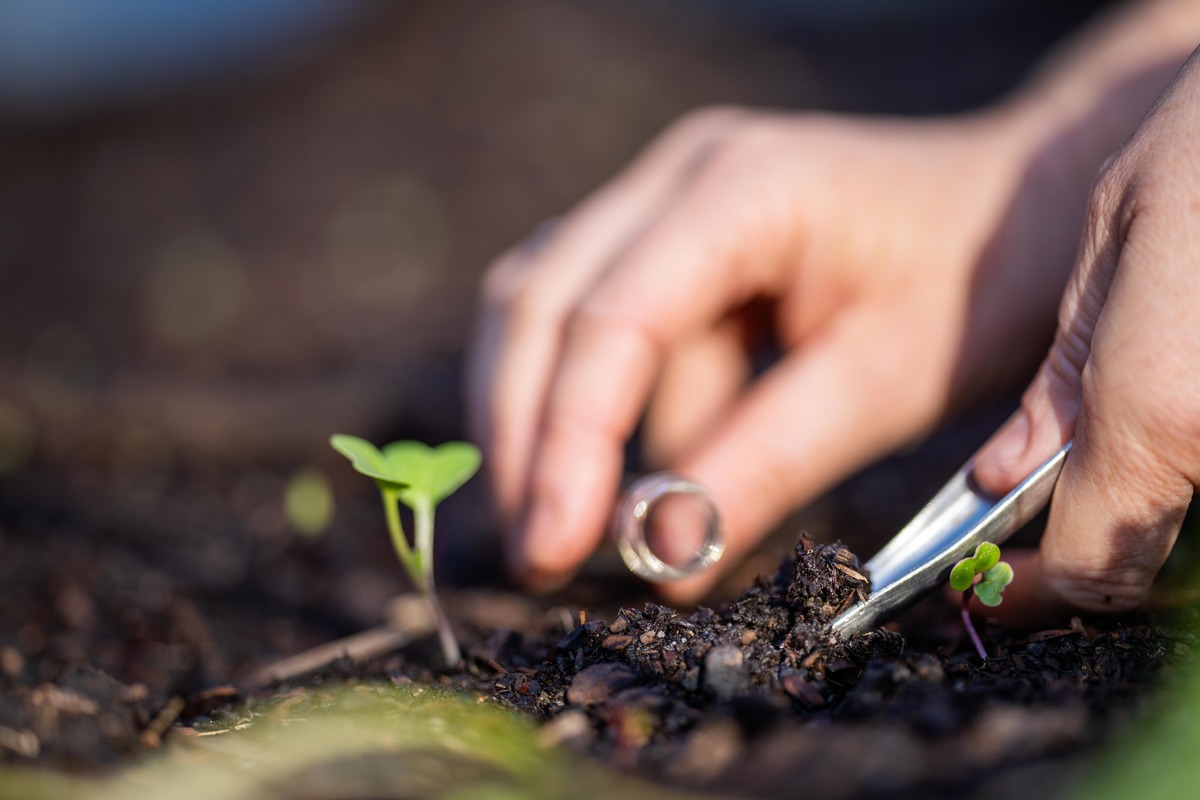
[(987, 575), (420, 477)]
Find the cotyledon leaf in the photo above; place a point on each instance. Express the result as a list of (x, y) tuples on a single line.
[(432, 473), (367, 459)]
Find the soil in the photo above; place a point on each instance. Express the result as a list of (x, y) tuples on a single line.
[(752, 698), (148, 571), (757, 697)]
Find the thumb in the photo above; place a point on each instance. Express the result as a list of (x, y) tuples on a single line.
[(1050, 406), (1045, 421)]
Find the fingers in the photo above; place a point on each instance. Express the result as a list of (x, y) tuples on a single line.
[(530, 292), (680, 276)]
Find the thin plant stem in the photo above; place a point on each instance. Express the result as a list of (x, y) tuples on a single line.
[(391, 510), (446, 637), (423, 539), (423, 536), (970, 626)]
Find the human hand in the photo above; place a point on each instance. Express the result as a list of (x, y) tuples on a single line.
[(1121, 378), (891, 256)]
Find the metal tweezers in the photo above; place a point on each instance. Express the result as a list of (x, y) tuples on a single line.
[(949, 528)]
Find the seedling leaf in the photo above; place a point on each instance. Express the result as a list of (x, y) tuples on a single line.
[(1001, 575), (430, 473), (367, 459), (987, 555), (989, 594), (994, 580), (963, 575)]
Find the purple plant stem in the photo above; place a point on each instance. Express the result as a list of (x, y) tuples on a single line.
[(970, 626)]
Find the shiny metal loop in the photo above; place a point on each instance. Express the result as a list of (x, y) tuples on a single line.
[(629, 528)]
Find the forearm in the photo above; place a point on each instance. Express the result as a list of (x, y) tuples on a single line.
[(1090, 94)]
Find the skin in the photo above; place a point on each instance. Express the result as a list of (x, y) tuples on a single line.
[(905, 268), (1120, 378)]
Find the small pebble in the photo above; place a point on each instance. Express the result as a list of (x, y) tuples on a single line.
[(725, 673)]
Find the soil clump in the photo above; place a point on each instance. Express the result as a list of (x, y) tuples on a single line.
[(764, 654)]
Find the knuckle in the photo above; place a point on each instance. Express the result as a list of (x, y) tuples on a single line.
[(1104, 204), (595, 318), (1112, 201), (1110, 186), (503, 280), (589, 317), (754, 146), (1068, 358), (583, 324), (705, 124), (532, 304)]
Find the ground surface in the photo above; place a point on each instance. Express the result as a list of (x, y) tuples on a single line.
[(195, 290)]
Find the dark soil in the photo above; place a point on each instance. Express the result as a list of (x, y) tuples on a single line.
[(751, 698), (758, 697)]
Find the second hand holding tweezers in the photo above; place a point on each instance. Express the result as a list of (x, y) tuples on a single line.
[(949, 528)]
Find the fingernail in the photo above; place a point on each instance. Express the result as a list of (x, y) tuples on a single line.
[(995, 463)]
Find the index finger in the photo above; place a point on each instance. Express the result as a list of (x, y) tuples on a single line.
[(680, 275)]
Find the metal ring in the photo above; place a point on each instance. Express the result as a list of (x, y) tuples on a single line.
[(629, 528)]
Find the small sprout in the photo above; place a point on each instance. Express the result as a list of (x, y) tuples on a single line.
[(987, 575), (420, 477)]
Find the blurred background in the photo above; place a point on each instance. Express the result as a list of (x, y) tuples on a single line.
[(229, 229)]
